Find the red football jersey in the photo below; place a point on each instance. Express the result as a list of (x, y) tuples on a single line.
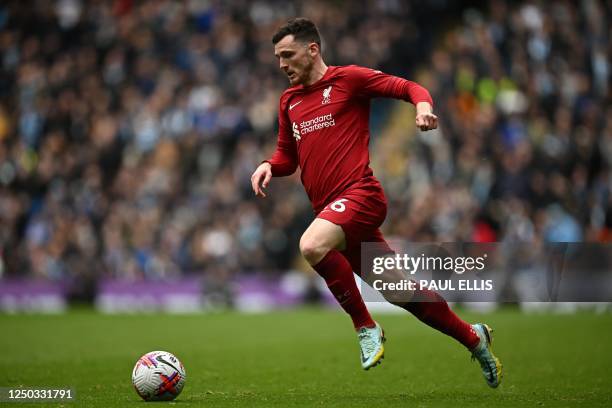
[(324, 128)]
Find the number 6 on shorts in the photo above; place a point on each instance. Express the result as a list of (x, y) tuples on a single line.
[(338, 205)]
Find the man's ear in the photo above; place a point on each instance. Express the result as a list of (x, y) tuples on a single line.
[(313, 49)]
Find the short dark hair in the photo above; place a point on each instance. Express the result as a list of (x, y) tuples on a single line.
[(302, 30)]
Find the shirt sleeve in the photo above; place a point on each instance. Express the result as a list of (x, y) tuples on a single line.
[(284, 160), (370, 83)]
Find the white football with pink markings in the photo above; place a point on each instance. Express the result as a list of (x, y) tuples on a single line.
[(158, 376)]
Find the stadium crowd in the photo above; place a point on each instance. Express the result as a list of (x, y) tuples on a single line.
[(129, 130), (524, 152)]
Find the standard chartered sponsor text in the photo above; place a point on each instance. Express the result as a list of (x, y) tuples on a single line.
[(317, 123)]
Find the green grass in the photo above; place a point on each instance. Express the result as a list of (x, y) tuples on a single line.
[(310, 358)]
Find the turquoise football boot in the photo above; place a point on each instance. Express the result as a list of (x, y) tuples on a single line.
[(371, 343), (490, 365)]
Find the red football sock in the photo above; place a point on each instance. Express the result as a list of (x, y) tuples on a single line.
[(338, 275), (431, 308)]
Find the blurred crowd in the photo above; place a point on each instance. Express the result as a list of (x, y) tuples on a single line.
[(524, 150), (129, 130)]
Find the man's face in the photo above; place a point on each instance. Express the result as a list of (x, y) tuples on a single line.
[(295, 58)]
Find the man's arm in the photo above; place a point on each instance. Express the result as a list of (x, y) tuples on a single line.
[(284, 160), (373, 83)]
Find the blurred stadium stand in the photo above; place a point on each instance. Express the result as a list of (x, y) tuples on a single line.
[(129, 130)]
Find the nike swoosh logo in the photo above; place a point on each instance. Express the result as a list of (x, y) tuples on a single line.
[(295, 104), (161, 360)]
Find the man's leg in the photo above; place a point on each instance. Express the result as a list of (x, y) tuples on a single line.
[(330, 233), (319, 245), (431, 308), (426, 305)]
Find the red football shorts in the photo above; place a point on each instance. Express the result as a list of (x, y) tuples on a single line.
[(360, 212)]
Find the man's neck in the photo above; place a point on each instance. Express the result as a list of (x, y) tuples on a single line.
[(318, 71)]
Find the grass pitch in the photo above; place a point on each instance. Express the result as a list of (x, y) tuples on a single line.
[(310, 358)]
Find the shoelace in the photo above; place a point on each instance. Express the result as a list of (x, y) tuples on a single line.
[(484, 362), (477, 350), (368, 345)]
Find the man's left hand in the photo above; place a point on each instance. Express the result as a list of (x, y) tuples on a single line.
[(425, 119)]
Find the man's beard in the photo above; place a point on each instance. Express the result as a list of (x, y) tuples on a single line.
[(306, 71)]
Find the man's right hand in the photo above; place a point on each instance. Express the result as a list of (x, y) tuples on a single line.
[(260, 178)]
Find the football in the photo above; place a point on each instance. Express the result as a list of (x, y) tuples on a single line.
[(158, 376)]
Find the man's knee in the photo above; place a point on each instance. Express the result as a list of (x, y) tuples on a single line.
[(312, 250)]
